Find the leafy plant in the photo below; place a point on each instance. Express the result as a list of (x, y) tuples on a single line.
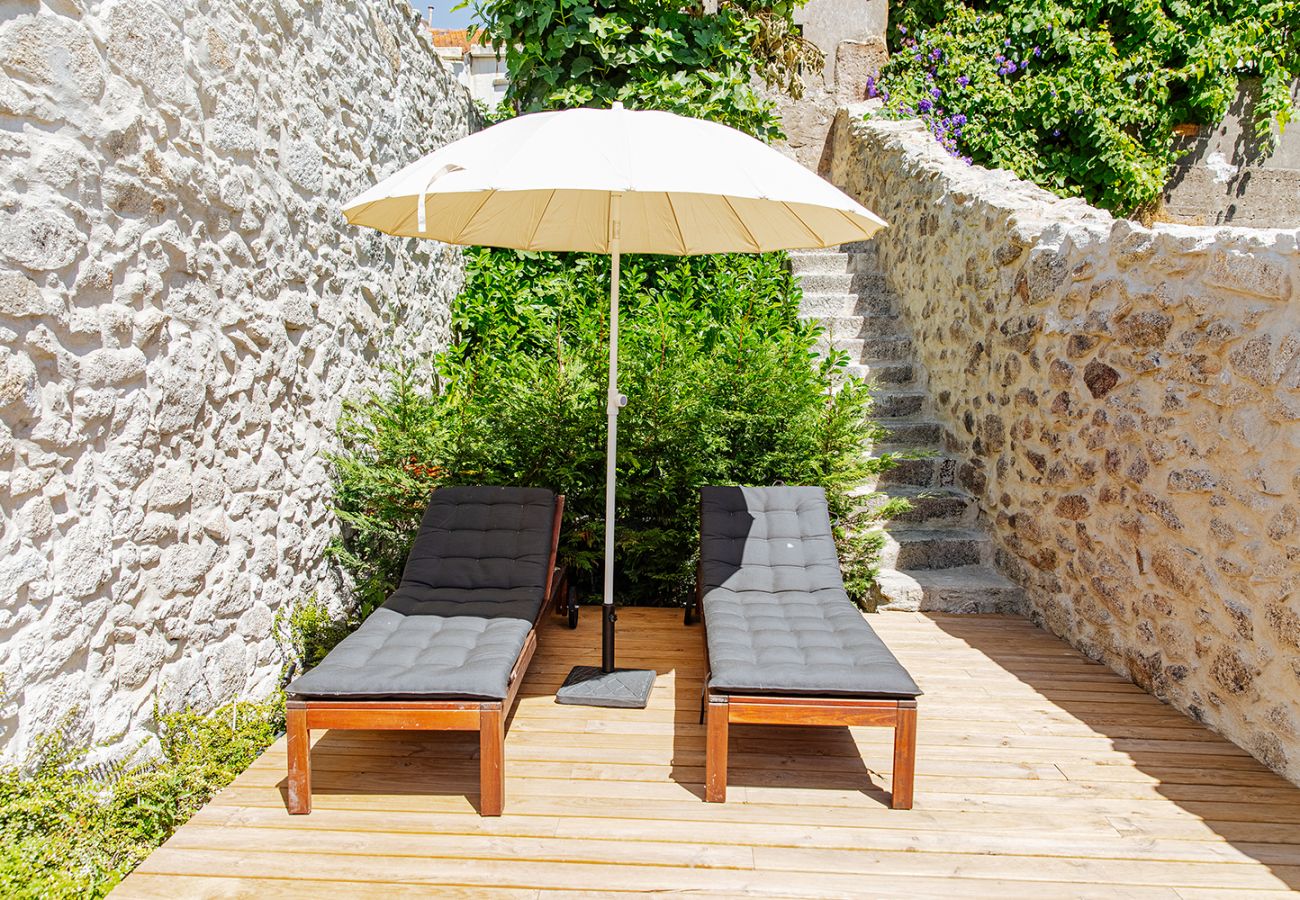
[(306, 632), (724, 389), (650, 55), (69, 831), (1082, 96)]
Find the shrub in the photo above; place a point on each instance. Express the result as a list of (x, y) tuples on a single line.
[(68, 831), (1082, 97), (307, 631), (723, 389)]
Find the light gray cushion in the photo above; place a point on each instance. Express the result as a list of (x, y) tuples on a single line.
[(778, 618), (473, 586)]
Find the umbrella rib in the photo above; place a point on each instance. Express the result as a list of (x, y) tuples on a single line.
[(359, 212), (741, 222), (672, 208), (487, 195), (852, 221), (532, 235), (798, 218)]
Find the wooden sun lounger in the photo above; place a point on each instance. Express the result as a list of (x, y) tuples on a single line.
[(449, 649), (784, 643)]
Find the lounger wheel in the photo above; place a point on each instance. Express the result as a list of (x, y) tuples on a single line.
[(573, 607)]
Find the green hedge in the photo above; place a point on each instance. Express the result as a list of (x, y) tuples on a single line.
[(724, 388)]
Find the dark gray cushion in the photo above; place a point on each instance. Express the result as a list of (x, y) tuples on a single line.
[(778, 618), (473, 586)]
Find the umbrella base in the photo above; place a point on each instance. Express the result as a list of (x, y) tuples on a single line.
[(591, 686)]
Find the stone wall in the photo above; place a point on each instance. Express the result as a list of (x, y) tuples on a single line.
[(851, 36), (1228, 177), (1125, 403), (182, 311)]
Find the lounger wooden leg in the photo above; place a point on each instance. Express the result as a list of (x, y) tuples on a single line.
[(298, 741), (492, 759), (904, 754), (715, 752)]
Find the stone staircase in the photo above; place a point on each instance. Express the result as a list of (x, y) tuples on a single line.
[(937, 556)]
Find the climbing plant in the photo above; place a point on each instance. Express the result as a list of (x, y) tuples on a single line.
[(1082, 96), (650, 55)]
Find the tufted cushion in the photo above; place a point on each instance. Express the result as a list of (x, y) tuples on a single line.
[(473, 586), (778, 618)]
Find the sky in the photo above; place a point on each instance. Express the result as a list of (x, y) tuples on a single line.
[(443, 17)]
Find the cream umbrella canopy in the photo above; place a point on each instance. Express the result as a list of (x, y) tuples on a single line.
[(613, 181)]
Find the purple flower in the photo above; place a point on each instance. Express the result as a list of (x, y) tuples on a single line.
[(925, 105), (1056, 132), (871, 86), (1038, 51), (1007, 42), (936, 93), (963, 80), (884, 95), (902, 29), (959, 119), (968, 161), (916, 57), (1011, 67), (936, 54)]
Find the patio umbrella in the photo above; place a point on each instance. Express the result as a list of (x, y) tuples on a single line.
[(613, 181)]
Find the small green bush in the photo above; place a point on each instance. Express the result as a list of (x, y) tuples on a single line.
[(724, 388), (1081, 96), (307, 631), (66, 831)]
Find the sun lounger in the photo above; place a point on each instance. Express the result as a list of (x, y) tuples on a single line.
[(785, 644), (449, 649)]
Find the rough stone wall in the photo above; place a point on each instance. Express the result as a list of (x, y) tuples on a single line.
[(1125, 403), (182, 311)]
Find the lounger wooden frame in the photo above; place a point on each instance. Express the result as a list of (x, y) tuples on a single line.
[(721, 709), (487, 717)]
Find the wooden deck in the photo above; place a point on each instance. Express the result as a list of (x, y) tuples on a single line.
[(1039, 774)]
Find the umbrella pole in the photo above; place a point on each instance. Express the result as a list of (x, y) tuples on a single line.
[(614, 402), (607, 685)]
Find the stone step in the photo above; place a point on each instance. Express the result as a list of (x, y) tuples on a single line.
[(918, 547), (884, 371), (925, 471), (929, 506), (840, 327), (917, 434), (846, 304), (804, 262), (891, 404), (850, 282), (962, 589), (896, 347)]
